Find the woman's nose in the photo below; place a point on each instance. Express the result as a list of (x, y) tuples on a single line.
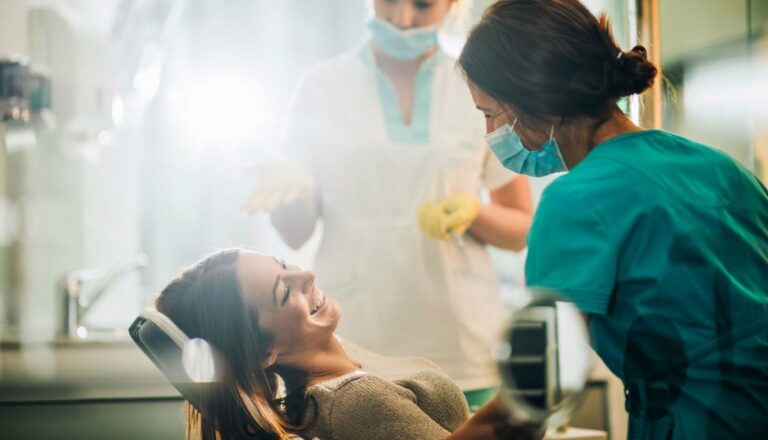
[(490, 125), (307, 281), (301, 280), (402, 15), (494, 123)]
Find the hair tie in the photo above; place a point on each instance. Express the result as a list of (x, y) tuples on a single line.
[(618, 62)]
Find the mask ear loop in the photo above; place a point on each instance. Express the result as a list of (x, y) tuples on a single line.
[(553, 141), (503, 110)]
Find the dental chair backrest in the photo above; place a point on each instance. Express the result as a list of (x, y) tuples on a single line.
[(163, 342)]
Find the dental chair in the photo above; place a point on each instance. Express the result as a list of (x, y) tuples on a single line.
[(163, 343)]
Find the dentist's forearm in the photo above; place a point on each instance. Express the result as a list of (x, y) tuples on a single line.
[(296, 222), (503, 227), (492, 422)]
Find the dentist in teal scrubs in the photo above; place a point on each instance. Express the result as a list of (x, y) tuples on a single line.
[(661, 241)]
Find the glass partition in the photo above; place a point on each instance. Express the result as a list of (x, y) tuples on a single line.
[(132, 169), (715, 64)]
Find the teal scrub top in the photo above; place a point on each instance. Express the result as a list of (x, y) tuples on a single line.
[(664, 243)]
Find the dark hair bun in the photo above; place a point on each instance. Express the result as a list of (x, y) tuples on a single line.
[(632, 73), (552, 58)]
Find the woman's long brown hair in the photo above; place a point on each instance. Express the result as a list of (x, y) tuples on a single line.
[(206, 302)]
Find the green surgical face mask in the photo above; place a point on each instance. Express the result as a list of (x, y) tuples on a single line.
[(402, 45), (509, 149)]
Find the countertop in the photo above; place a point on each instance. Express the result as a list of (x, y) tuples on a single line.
[(74, 370)]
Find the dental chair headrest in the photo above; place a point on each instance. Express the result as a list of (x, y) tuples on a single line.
[(163, 342)]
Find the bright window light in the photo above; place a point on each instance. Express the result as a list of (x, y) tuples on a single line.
[(218, 110)]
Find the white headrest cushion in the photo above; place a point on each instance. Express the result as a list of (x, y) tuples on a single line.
[(166, 325)]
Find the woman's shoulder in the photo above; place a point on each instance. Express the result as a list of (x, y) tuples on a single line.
[(366, 406), (416, 378), (405, 376), (332, 386), (337, 397), (336, 65), (335, 72), (388, 367), (360, 383), (340, 401)]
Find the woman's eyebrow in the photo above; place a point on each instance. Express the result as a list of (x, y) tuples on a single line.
[(274, 290)]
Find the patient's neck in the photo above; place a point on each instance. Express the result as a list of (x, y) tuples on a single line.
[(323, 362)]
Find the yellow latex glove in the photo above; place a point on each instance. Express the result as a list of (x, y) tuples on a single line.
[(461, 210), (279, 182), (431, 219), (449, 218)]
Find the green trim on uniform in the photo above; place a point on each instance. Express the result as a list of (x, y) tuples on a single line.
[(417, 132), (479, 397)]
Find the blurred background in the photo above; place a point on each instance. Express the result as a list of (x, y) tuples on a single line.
[(125, 124)]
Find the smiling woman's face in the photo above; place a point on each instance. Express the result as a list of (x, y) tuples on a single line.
[(291, 307)]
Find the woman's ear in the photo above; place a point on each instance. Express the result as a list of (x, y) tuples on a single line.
[(269, 359)]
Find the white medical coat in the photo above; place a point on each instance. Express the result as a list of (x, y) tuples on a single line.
[(402, 293)]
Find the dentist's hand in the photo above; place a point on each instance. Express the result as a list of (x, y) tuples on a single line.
[(279, 182), (452, 216), (493, 422)]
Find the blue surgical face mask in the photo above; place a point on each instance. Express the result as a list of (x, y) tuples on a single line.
[(402, 45), (509, 149)]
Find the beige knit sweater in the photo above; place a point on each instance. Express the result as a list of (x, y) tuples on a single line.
[(389, 398)]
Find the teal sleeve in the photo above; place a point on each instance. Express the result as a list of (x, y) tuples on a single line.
[(571, 250)]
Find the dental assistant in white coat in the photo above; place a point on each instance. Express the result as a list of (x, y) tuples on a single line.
[(393, 161)]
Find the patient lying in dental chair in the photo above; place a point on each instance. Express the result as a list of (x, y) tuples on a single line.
[(281, 371)]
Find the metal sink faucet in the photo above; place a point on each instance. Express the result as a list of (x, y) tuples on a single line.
[(77, 302)]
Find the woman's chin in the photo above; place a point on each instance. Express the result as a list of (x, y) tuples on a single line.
[(333, 316), (328, 315), (333, 313)]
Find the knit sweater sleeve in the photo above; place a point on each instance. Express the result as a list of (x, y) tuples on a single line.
[(369, 407)]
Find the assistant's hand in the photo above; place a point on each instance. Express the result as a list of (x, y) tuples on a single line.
[(453, 215), (279, 182), (461, 210), (431, 219)]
